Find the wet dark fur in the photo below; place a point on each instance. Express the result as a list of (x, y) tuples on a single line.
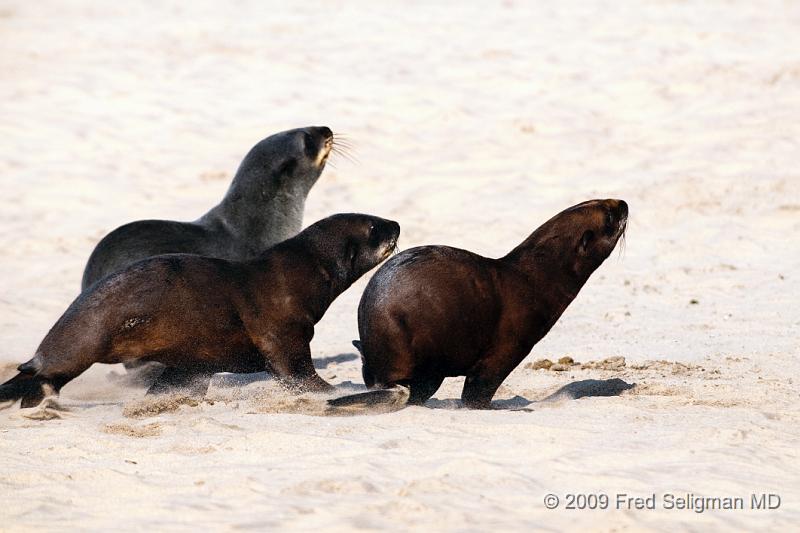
[(434, 311), (199, 315)]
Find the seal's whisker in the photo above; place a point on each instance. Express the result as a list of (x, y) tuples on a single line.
[(341, 136), (336, 141), (342, 144), (344, 153), (345, 142), (342, 148), (338, 151), (622, 240)]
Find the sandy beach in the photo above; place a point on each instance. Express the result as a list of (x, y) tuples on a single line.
[(471, 126)]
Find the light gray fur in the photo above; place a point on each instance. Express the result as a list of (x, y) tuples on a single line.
[(263, 206)]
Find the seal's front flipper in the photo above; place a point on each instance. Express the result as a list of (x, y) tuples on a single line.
[(376, 401)]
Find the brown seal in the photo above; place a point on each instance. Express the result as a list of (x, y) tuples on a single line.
[(198, 315), (263, 206), (434, 311)]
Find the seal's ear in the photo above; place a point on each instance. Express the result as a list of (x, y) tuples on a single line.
[(351, 252), (287, 168), (586, 239)]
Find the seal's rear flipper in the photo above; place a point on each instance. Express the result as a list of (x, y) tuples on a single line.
[(376, 401), (369, 379), (30, 389)]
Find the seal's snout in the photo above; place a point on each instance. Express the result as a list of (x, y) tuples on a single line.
[(619, 208), (622, 209), (326, 136), (617, 215), (390, 233), (395, 233), (394, 230), (622, 215), (321, 138)]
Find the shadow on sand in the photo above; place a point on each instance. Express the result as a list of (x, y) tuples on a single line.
[(570, 391), (143, 376), (323, 362)]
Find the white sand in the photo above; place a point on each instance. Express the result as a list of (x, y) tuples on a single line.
[(472, 126)]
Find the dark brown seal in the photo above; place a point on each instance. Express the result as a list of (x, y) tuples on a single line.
[(434, 311), (199, 315)]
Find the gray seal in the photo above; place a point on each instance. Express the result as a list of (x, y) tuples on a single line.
[(263, 206)]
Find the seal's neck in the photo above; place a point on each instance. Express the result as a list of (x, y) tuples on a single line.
[(549, 262), (553, 279), (322, 279), (337, 275), (257, 213)]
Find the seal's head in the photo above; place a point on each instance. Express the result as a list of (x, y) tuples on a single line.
[(592, 230), (580, 238), (353, 244), (289, 162)]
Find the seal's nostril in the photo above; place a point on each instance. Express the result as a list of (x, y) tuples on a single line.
[(325, 132)]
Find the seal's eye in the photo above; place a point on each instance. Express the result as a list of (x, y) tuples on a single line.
[(374, 238)]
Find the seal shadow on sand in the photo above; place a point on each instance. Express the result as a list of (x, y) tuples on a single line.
[(571, 391), (324, 362), (144, 375), (227, 379)]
